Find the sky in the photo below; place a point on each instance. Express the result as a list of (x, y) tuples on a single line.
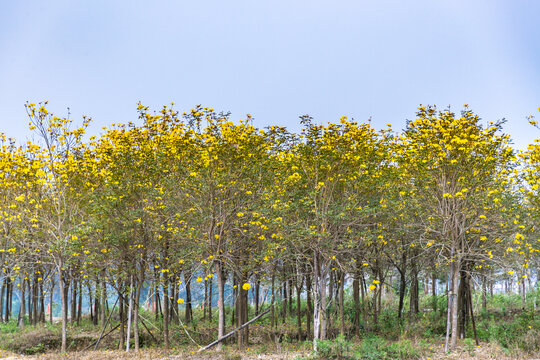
[(276, 59)]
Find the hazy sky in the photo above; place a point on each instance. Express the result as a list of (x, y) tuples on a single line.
[(273, 59)]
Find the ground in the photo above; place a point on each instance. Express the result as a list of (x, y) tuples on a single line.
[(484, 352)]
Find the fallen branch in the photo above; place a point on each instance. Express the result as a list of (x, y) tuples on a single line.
[(103, 337), (234, 331)]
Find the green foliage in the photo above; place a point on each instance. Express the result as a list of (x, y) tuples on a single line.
[(520, 332), (376, 348), (338, 348), (470, 346), (9, 327)]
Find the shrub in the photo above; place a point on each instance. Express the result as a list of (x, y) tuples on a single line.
[(334, 349)]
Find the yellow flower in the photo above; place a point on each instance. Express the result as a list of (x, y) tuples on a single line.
[(199, 279), (372, 287), (511, 272), (180, 301), (246, 286)]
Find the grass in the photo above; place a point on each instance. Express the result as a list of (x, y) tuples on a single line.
[(504, 324)]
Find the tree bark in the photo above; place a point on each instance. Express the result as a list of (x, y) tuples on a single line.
[(188, 310), (64, 307), (22, 308), (221, 301)]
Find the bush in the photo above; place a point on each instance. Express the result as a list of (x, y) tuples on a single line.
[(334, 349), (372, 348)]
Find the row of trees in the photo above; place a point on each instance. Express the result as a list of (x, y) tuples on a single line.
[(195, 197)]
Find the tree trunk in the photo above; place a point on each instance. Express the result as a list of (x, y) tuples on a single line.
[(455, 289), (51, 300), (22, 308), (166, 312), (73, 285), (136, 314), (356, 301), (299, 311), (210, 285), (130, 312), (64, 305), (317, 299), (121, 314), (341, 285), (221, 301), (103, 299), (242, 312), (272, 307), (402, 283), (309, 304), (188, 309), (257, 294), (79, 307), (414, 308), (2, 299)]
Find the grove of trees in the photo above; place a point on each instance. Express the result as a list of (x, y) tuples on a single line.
[(194, 199)]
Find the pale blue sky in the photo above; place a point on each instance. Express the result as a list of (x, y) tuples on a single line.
[(274, 59)]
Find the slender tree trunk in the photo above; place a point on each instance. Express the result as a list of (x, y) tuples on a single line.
[(290, 296), (316, 306), (22, 308), (157, 303), (96, 303), (450, 299), (205, 301), (341, 291), (221, 301), (402, 283), (434, 291), (2, 299), (121, 314), (103, 299), (323, 303), (284, 300), (455, 289), (356, 301), (166, 312), (299, 311), (73, 285), (79, 307), (309, 304), (130, 312), (30, 307), (257, 294), (51, 304), (210, 299), (136, 314), (188, 309), (64, 305), (272, 307), (414, 308)]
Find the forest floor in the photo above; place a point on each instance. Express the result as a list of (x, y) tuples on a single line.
[(483, 352)]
